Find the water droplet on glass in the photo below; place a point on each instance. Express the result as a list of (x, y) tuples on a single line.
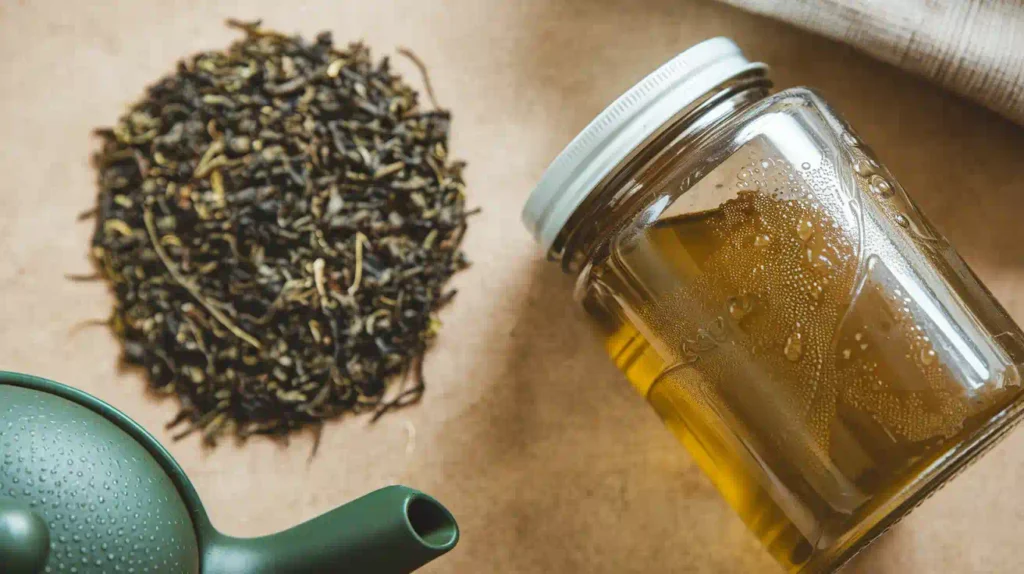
[(849, 139), (902, 220), (846, 353), (823, 264), (880, 187), (741, 305), (806, 165), (805, 230), (816, 291), (762, 240), (794, 347), (862, 167), (927, 356)]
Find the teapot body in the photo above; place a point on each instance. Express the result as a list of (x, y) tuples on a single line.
[(84, 489)]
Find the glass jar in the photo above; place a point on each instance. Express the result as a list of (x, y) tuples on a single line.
[(769, 288)]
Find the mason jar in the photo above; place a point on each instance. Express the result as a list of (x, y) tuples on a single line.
[(766, 284)]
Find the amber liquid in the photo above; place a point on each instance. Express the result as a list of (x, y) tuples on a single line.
[(816, 364)]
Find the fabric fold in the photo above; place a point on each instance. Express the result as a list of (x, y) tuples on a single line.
[(972, 47)]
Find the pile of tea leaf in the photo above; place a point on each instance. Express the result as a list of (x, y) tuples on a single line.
[(278, 222)]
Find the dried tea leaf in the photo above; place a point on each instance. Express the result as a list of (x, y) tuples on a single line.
[(278, 221)]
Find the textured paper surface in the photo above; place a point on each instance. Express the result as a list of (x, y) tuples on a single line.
[(973, 47), (540, 448)]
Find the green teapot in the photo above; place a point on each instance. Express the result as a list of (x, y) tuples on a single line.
[(85, 489)]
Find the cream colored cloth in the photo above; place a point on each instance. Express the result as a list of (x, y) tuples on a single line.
[(973, 47)]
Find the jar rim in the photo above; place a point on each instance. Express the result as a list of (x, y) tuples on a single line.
[(623, 126)]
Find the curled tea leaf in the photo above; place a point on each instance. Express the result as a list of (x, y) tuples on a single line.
[(279, 221)]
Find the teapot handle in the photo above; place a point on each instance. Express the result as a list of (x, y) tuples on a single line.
[(24, 538), (394, 530)]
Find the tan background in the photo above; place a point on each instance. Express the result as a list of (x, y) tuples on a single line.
[(527, 433)]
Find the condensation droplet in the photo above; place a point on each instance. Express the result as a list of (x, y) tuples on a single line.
[(846, 353), (902, 220), (794, 348), (816, 291), (741, 305), (806, 165), (762, 240), (823, 264), (805, 230), (880, 187), (927, 356), (850, 139), (862, 167)]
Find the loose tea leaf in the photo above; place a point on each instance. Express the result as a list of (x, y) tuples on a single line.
[(278, 221)]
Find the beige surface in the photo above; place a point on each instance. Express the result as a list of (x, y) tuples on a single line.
[(537, 444)]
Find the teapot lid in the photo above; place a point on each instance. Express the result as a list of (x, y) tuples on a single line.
[(108, 504)]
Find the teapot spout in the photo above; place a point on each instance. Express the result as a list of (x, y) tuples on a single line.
[(394, 530)]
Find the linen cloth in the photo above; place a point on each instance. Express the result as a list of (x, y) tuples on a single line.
[(972, 47)]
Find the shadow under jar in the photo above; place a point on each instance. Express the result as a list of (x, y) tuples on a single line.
[(774, 294)]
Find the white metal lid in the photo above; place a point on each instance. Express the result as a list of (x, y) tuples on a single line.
[(623, 126)]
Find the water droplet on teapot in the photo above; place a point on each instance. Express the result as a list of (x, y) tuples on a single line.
[(927, 356), (762, 240)]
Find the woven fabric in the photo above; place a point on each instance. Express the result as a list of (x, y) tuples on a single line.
[(972, 47)]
